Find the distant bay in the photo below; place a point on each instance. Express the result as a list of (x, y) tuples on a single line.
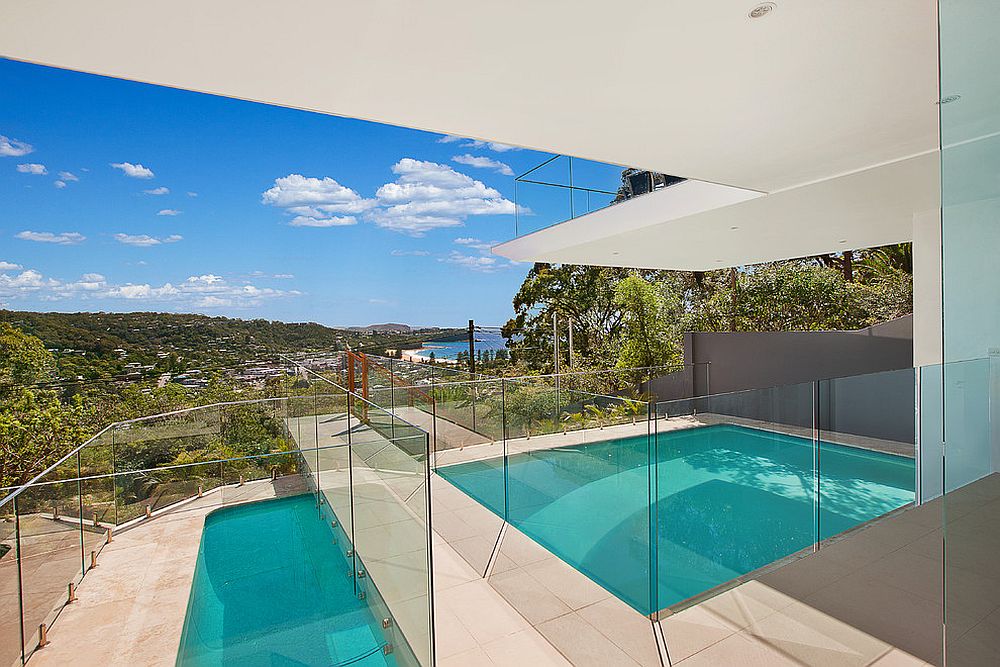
[(449, 349)]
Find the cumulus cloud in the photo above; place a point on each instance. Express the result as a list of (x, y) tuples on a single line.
[(471, 242), (68, 176), (424, 196), (133, 170), (157, 191), (168, 211), (203, 291), (144, 240), (14, 148), (302, 194), (480, 263), (475, 143), (9, 266), (428, 195), (25, 283), (61, 238), (481, 162), (483, 262), (332, 221), (32, 168), (410, 253), (192, 194), (316, 202), (60, 184)]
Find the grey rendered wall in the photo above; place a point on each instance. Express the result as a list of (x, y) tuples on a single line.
[(878, 403)]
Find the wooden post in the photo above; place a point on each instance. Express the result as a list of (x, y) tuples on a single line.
[(350, 372)]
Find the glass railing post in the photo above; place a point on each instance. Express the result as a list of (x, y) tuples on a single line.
[(817, 482), (79, 514), (20, 577), (652, 481), (114, 472), (430, 548)]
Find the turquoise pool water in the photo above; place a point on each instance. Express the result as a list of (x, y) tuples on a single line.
[(271, 589), (725, 501)]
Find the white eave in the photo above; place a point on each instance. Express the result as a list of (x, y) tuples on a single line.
[(727, 227)]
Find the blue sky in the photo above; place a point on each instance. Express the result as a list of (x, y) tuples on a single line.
[(121, 196)]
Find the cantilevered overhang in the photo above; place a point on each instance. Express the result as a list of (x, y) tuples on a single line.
[(869, 208)]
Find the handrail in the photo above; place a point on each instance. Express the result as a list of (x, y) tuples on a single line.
[(34, 481), (363, 358)]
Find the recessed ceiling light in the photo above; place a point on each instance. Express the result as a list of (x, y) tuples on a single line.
[(948, 99), (734, 228), (615, 252), (762, 10), (842, 241), (718, 261)]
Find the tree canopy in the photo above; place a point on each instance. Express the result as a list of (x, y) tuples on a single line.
[(636, 317)]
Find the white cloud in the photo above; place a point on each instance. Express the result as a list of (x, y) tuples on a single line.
[(428, 195), (68, 176), (144, 240), (471, 242), (157, 191), (9, 266), (192, 194), (314, 196), (25, 283), (32, 168), (475, 143), (283, 276), (316, 202), (409, 253), (133, 170), (424, 196), (62, 238), (14, 148), (332, 221), (475, 263), (168, 211), (204, 291), (60, 184), (481, 162)]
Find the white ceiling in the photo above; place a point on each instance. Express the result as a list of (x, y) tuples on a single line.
[(820, 105), (694, 89)]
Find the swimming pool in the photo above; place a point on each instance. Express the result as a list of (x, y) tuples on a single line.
[(720, 501), (271, 589)]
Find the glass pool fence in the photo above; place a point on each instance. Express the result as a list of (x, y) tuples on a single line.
[(366, 469)]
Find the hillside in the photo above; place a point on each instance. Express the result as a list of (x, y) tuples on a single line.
[(102, 344)]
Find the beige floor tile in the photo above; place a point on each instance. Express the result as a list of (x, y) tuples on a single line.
[(534, 601), (582, 644), (475, 657), (524, 648), (816, 639), (575, 589), (628, 629), (482, 611), (746, 604), (452, 637), (693, 630), (738, 650)]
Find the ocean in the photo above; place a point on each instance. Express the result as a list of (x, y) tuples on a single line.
[(449, 349)]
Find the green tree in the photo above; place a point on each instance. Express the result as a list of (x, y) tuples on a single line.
[(23, 359), (648, 313)]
